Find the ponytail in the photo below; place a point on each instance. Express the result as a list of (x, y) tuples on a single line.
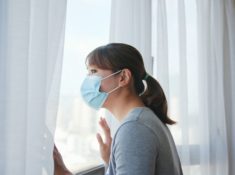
[(154, 98)]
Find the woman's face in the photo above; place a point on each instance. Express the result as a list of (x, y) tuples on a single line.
[(119, 83), (107, 84)]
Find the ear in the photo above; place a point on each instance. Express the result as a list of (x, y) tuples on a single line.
[(125, 78)]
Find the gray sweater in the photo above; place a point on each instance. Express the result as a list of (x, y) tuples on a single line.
[(143, 145)]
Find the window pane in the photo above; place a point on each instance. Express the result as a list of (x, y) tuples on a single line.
[(87, 27)]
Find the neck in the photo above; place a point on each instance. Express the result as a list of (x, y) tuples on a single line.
[(124, 105)]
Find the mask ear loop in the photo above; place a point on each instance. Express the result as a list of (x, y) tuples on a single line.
[(113, 89), (111, 75)]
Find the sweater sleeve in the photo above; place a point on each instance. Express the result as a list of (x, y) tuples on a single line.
[(135, 150)]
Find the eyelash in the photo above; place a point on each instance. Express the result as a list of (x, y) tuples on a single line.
[(92, 71)]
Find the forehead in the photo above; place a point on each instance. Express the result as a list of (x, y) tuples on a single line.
[(95, 60), (92, 66), (95, 67)]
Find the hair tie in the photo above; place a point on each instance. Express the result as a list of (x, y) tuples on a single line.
[(146, 76)]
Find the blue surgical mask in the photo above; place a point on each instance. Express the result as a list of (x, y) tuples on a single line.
[(90, 90)]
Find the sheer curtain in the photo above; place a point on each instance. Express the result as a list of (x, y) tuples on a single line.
[(130, 23), (31, 50), (192, 43)]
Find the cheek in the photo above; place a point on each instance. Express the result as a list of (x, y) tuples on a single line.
[(104, 86), (107, 85)]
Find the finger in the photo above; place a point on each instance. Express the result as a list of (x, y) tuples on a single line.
[(104, 125), (55, 148), (103, 121), (100, 140), (105, 129), (55, 151), (107, 133)]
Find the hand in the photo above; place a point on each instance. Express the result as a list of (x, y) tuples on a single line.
[(59, 166), (105, 146)]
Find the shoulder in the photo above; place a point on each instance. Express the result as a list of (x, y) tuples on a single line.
[(144, 117), (141, 125), (134, 140), (134, 134)]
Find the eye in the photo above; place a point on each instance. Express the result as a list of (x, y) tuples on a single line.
[(92, 71)]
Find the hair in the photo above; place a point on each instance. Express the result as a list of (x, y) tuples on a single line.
[(118, 56)]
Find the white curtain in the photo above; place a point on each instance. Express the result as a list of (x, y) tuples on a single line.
[(193, 46), (216, 48), (31, 50), (130, 21)]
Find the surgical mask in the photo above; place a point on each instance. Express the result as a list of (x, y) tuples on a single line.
[(90, 90)]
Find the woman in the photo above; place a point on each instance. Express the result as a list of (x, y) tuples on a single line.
[(142, 145)]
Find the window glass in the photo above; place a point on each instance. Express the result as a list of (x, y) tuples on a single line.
[(87, 27)]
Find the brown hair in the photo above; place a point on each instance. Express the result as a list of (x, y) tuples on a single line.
[(117, 56)]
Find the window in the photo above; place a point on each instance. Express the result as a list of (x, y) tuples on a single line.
[(87, 27)]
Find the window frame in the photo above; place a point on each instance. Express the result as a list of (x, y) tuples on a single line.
[(97, 170)]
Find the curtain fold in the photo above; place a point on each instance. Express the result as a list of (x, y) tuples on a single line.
[(212, 37), (229, 80), (32, 34), (130, 21), (183, 85), (160, 43)]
